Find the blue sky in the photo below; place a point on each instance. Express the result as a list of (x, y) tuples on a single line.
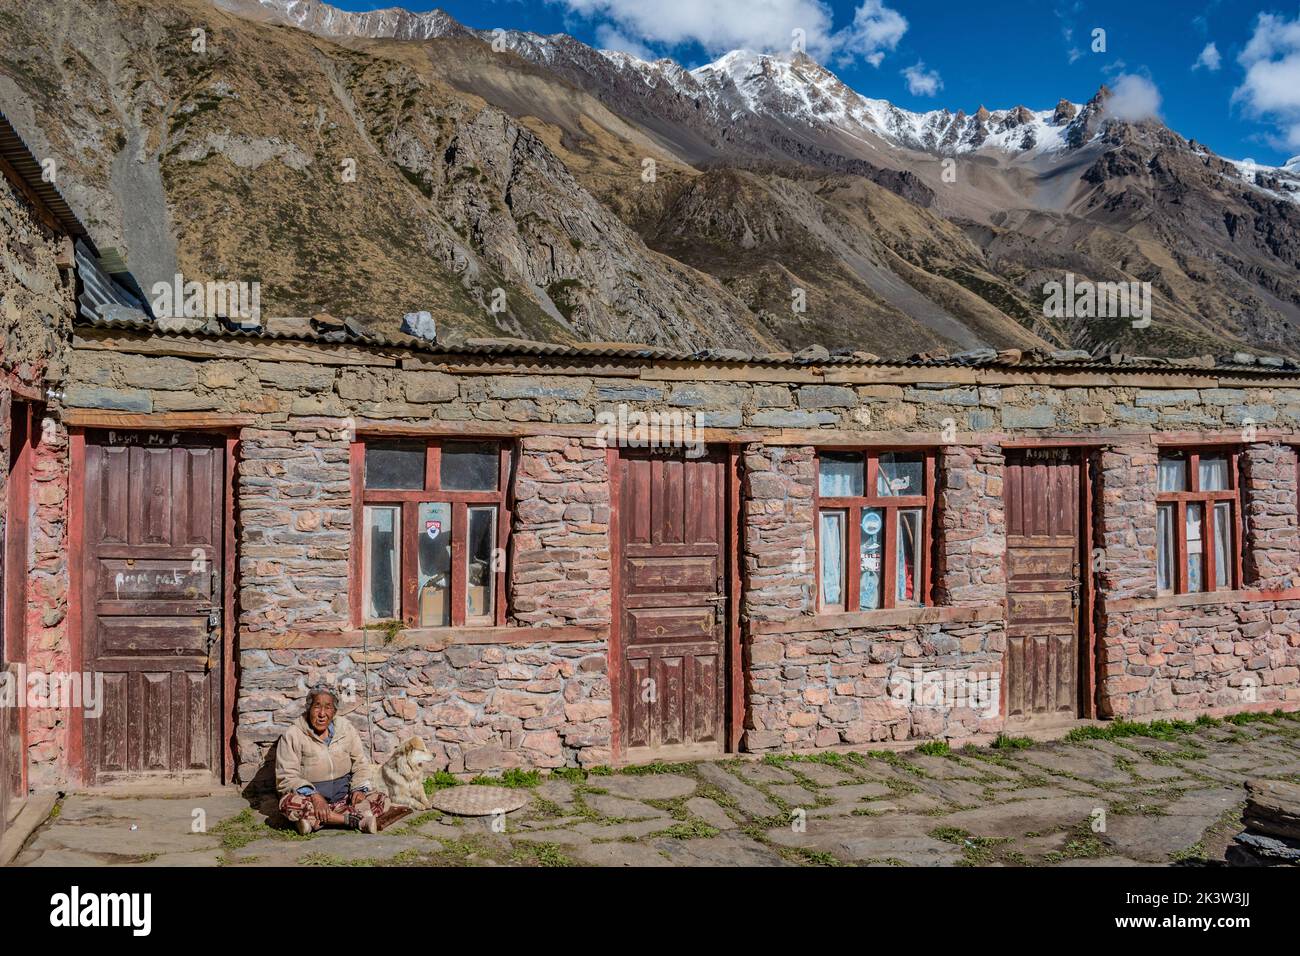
[(1224, 72)]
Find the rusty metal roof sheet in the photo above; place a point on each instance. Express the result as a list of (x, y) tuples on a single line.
[(16, 153), (338, 332)]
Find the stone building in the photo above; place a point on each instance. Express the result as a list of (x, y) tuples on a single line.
[(538, 555)]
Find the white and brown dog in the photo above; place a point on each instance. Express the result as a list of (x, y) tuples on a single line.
[(402, 775)]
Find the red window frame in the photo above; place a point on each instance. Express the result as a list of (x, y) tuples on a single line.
[(409, 502), (890, 505), (1207, 499)]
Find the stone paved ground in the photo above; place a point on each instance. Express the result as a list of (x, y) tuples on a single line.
[(1169, 795)]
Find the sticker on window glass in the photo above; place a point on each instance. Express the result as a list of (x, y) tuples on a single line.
[(871, 521), (900, 483), (433, 528)]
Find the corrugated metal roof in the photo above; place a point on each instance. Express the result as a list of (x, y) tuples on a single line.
[(16, 153), (311, 330), (101, 294)]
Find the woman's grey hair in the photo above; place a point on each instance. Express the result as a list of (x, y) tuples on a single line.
[(321, 691)]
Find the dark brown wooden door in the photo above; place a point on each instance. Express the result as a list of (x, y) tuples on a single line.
[(1043, 581), (672, 603), (152, 599)]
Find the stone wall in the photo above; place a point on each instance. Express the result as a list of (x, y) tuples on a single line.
[(810, 681), (560, 548), (820, 686), (36, 298), (777, 571), (970, 560), (294, 527), (1196, 653), (36, 308), (478, 707), (1268, 480), (408, 389), (49, 646)]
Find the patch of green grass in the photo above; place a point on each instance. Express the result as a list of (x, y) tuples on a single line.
[(439, 781), (571, 774), (692, 829), (656, 766), (1080, 848), (542, 854), (513, 779), (1118, 729), (1008, 742), (244, 828), (975, 851), (935, 748)]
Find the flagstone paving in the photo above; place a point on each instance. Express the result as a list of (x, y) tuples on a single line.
[(1167, 795)]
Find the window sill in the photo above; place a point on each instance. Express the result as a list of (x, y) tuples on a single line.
[(891, 617), (1199, 599), (428, 638)]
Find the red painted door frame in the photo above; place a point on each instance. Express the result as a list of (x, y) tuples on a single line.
[(77, 765), (16, 542)]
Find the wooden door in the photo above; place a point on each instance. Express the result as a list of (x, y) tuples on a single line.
[(672, 604), (1044, 578), (151, 579)]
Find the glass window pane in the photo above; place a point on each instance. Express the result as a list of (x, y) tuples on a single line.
[(1195, 548), (900, 475), (470, 466), (831, 541), (909, 557), (1165, 548), (479, 579), (1222, 544), (872, 548), (434, 583), (1172, 475), (1214, 474), (841, 475), (395, 466), (383, 563)]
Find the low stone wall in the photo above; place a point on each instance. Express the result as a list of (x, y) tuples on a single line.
[(1201, 657), (858, 685), (479, 707)]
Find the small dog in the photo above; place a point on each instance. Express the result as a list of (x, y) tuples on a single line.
[(402, 775)]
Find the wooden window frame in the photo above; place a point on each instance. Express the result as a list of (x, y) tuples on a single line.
[(1207, 499), (889, 505), (409, 501)]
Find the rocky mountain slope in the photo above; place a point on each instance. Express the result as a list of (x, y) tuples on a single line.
[(373, 164)]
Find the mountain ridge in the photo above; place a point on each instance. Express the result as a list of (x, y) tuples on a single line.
[(523, 172)]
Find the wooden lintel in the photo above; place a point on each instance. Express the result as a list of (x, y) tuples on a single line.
[(427, 638), (161, 421), (237, 349), (865, 620)]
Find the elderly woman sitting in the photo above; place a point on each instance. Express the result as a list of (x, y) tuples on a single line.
[(322, 772)]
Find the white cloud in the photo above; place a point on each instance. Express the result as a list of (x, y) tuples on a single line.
[(1133, 98), (610, 38), (1210, 58), (875, 29), (1271, 88), (761, 25), (922, 82)]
